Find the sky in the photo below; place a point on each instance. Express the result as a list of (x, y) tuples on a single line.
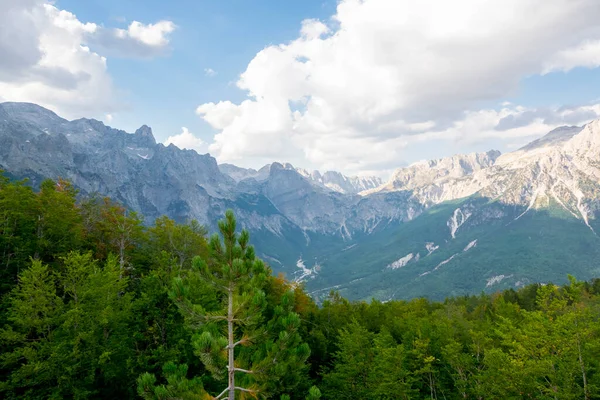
[(358, 86)]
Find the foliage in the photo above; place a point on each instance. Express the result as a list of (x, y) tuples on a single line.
[(98, 305), (236, 338)]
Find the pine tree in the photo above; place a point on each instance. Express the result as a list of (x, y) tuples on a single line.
[(240, 278), (177, 387)]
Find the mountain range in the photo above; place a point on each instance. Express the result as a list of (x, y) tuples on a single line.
[(453, 226)]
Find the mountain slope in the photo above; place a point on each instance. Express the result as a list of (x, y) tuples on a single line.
[(491, 249), (437, 172), (331, 180), (531, 216), (451, 226)]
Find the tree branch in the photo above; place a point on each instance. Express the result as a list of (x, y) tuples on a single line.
[(243, 370), (245, 390), (212, 317), (222, 393)]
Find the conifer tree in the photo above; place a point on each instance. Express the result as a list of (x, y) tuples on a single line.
[(240, 278)]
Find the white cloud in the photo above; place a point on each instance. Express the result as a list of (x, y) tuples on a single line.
[(138, 40), (219, 115), (50, 57), (477, 128), (152, 34), (352, 94), (108, 118), (209, 72), (58, 71), (586, 54), (313, 29), (186, 140)]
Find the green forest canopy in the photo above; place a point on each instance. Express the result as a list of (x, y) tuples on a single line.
[(96, 304)]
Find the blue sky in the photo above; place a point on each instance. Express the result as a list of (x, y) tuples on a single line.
[(221, 35), (360, 86)]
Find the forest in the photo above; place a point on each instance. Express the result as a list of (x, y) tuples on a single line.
[(96, 303)]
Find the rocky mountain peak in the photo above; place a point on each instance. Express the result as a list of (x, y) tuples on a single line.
[(297, 213), (552, 141), (330, 180), (275, 167), (427, 172), (29, 114), (237, 173), (555, 137), (145, 132), (586, 142), (349, 184)]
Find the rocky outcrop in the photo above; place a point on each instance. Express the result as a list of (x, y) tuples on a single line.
[(293, 213)]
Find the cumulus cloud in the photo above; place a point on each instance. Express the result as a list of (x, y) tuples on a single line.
[(209, 72), (186, 140), (151, 34), (517, 122), (50, 57), (586, 54), (549, 116), (352, 92), (313, 29), (19, 47), (138, 40)]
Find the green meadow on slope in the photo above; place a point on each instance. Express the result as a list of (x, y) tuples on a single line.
[(535, 247)]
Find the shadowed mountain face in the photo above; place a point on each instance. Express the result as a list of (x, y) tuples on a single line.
[(456, 225)]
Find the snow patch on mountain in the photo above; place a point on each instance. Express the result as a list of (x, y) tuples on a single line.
[(494, 280), (457, 220), (305, 272), (583, 209), (446, 261), (431, 247), (401, 262), (306, 237), (470, 245), (534, 197)]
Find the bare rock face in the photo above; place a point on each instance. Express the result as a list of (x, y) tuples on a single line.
[(239, 174), (294, 213), (340, 183), (437, 173), (332, 180), (561, 167), (132, 168)]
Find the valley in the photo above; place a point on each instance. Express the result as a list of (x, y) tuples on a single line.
[(448, 227)]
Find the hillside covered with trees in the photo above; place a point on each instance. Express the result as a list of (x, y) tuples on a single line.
[(96, 304)]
